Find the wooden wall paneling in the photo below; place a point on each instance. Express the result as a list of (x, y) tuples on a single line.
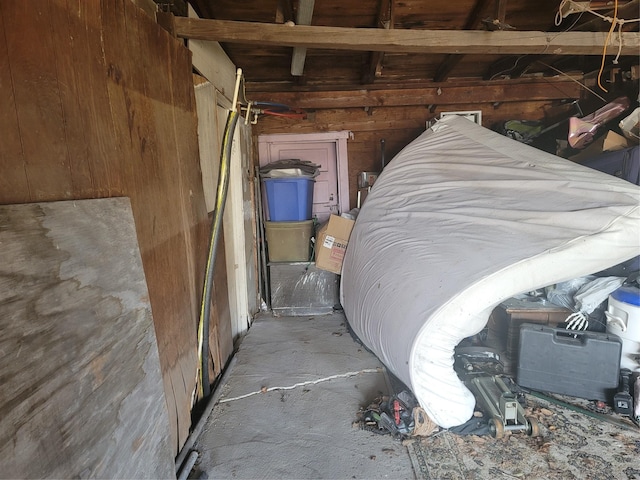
[(208, 140), (210, 60), (37, 98), (164, 222), (249, 214), (192, 193), (112, 105), (220, 337), (102, 147), (65, 35), (210, 131), (399, 126), (13, 181), (81, 392), (236, 214), (196, 222), (400, 118), (222, 293), (222, 320), (149, 7), (157, 196)]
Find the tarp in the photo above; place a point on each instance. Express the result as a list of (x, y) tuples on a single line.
[(460, 220)]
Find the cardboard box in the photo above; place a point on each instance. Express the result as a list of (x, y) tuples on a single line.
[(331, 245), (609, 142)]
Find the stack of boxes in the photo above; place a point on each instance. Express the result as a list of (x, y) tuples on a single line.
[(303, 275), (290, 226)]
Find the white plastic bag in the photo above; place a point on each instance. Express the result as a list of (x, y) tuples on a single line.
[(592, 294), (562, 293)]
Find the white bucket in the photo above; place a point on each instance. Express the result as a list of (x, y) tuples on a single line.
[(623, 320)]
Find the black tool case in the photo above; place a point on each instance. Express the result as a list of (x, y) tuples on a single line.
[(580, 364)]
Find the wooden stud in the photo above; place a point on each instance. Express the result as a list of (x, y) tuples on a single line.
[(384, 20)]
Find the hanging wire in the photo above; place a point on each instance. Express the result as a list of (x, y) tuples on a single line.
[(572, 79), (606, 42), (590, 10), (614, 21), (508, 70)]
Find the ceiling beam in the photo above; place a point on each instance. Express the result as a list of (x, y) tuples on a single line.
[(451, 60), (303, 17), (458, 95), (405, 41), (384, 20)]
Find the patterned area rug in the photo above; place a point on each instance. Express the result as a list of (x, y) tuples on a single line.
[(572, 445)]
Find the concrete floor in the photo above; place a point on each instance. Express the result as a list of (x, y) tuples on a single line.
[(289, 404), (291, 397)]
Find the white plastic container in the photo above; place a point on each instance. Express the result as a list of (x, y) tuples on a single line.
[(630, 126), (623, 320)]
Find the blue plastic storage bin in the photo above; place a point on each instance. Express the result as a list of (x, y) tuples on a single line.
[(289, 199)]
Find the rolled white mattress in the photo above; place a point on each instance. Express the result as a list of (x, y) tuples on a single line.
[(460, 220)]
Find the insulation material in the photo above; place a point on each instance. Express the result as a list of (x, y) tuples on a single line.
[(460, 220)]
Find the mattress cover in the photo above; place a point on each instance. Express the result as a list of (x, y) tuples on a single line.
[(460, 220)]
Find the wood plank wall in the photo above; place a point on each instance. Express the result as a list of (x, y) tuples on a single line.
[(97, 101), (397, 125)]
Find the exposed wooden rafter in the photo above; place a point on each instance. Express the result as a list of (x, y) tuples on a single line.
[(407, 41), (384, 20), (284, 11), (446, 95), (501, 11), (202, 8), (303, 17), (451, 60), (499, 16)]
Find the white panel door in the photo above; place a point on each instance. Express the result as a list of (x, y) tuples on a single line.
[(325, 191)]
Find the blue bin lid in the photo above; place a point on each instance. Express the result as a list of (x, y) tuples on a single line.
[(304, 178), (630, 295)]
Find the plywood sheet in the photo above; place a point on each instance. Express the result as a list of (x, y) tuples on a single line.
[(81, 392), (97, 102)]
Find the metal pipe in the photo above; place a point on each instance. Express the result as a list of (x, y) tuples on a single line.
[(197, 429), (188, 465)]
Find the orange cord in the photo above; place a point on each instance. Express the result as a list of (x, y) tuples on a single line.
[(604, 52)]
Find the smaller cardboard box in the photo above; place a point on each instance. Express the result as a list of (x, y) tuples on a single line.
[(332, 242)]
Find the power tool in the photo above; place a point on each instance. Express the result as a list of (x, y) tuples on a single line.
[(622, 400)]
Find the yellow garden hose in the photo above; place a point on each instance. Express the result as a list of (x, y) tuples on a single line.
[(204, 386)]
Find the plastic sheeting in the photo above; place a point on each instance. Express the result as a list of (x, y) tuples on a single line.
[(460, 220)]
